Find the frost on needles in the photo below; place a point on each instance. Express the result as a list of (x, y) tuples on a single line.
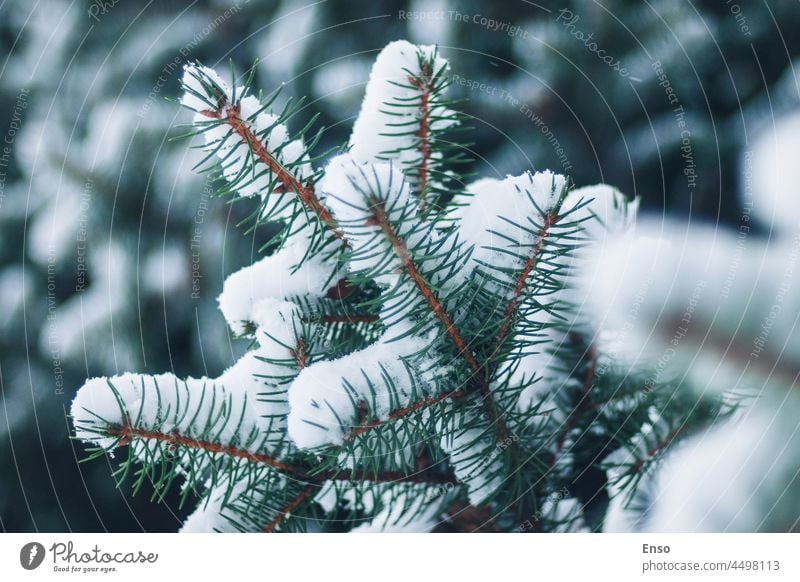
[(426, 353)]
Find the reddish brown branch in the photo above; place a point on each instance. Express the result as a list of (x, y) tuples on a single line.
[(288, 180), (423, 84), (400, 249), (401, 412), (126, 433), (530, 264), (299, 353), (478, 379), (341, 290), (293, 504)]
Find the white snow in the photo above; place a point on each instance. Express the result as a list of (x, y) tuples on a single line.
[(352, 183), (409, 511), (773, 179), (499, 212), (147, 400), (352, 189), (216, 512), (606, 218), (210, 515), (474, 454), (737, 477), (375, 130), (610, 210), (275, 276), (324, 397), (195, 96), (704, 276)]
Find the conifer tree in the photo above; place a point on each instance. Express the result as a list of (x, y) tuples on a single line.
[(426, 354)]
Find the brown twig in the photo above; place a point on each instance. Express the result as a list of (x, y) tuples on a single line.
[(423, 84), (299, 353), (232, 116), (293, 504), (127, 432), (477, 380), (530, 264), (405, 411)]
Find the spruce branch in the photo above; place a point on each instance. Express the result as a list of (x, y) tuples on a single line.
[(302, 472), (401, 250), (372, 200), (531, 262), (406, 100), (125, 433), (231, 114), (287, 509), (414, 357), (423, 83), (400, 413)]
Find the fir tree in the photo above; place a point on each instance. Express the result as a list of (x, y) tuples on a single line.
[(426, 352)]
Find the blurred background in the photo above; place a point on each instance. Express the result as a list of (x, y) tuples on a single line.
[(113, 250)]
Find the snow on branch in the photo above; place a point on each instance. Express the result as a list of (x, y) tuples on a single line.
[(686, 299), (331, 398), (253, 146), (215, 415), (508, 221), (272, 277), (410, 510), (404, 115), (467, 438), (445, 354), (390, 244)]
